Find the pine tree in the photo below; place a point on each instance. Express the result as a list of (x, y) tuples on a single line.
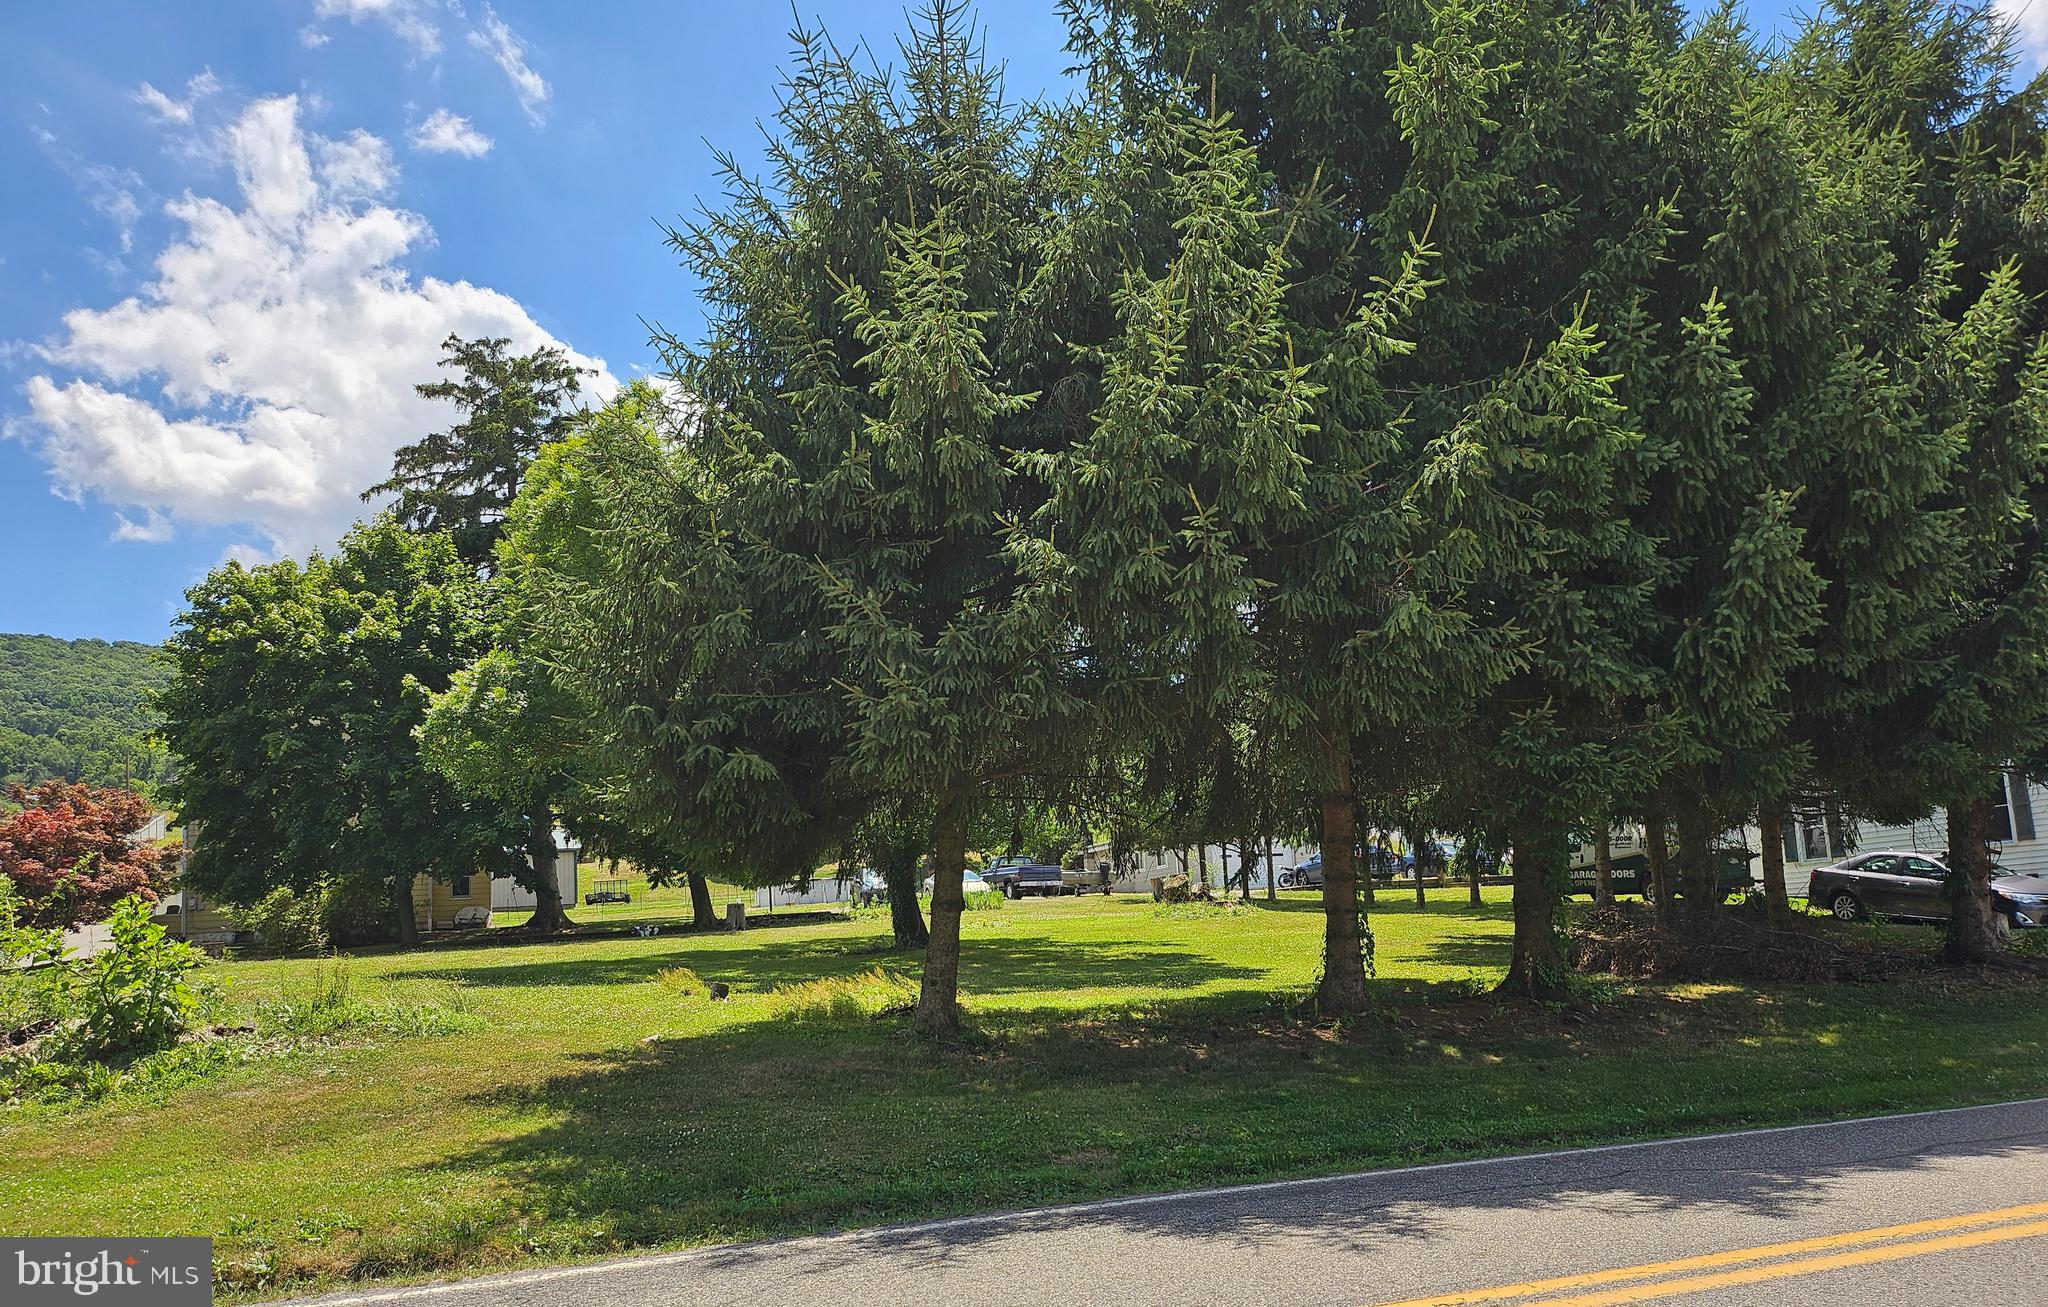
[(463, 479)]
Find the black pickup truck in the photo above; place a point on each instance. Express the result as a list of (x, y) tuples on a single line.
[(1017, 878)]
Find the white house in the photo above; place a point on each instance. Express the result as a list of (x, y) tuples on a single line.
[(1809, 843)]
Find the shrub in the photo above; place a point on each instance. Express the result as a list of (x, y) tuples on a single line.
[(68, 854), (286, 921), (133, 996), (984, 900), (843, 998)]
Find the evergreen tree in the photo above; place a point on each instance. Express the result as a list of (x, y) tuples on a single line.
[(1488, 145), (1928, 91), (463, 479)]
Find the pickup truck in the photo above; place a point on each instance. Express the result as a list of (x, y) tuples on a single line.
[(1016, 877)]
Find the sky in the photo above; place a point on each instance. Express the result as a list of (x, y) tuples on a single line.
[(234, 232)]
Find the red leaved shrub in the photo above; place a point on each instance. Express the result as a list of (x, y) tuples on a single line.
[(68, 854)]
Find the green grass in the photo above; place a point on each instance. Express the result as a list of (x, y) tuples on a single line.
[(596, 1099)]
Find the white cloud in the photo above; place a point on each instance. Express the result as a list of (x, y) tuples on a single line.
[(2030, 24), (357, 167), (450, 133), (162, 106), (154, 528), (312, 38), (406, 18), (509, 53), (165, 109), (112, 192), (266, 375)]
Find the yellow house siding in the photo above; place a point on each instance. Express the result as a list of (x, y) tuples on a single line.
[(195, 918), (435, 902)]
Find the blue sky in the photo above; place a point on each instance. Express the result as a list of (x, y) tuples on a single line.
[(233, 233)]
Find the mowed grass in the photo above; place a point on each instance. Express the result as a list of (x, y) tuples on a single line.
[(606, 1103)]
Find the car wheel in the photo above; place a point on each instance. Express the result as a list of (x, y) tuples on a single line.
[(1845, 907)]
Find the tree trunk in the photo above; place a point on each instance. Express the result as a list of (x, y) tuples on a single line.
[(1972, 931), (1472, 868), (906, 920), (1202, 879), (1697, 869), (1537, 969), (1272, 885), (703, 912), (938, 999), (1247, 854), (1415, 857), (1770, 825), (1660, 871), (408, 924), (1342, 991), (1603, 866), (548, 916)]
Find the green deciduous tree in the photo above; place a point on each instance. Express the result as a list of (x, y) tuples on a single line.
[(297, 691)]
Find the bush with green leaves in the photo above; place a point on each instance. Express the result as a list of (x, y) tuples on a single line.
[(134, 996), (287, 921)]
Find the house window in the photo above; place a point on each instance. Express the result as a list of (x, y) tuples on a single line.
[(460, 889), (1814, 833), (2012, 809)]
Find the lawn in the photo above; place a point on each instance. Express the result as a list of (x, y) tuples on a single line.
[(597, 1100)]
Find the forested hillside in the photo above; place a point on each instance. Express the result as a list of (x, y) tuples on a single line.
[(78, 709)]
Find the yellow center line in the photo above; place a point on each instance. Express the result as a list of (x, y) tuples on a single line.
[(1890, 1252), (1735, 1257)]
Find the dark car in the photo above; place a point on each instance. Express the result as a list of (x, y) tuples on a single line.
[(1910, 885), (1016, 879)]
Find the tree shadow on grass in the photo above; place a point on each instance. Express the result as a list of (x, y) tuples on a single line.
[(989, 965), (767, 1128)]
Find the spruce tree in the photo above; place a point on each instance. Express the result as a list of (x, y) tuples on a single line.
[(463, 479)]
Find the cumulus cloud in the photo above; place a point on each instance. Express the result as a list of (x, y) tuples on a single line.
[(266, 375), (407, 19), (506, 50), (450, 133)]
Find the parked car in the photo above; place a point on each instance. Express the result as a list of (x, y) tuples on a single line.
[(1017, 879), (1307, 874), (1910, 885), (1382, 863), (970, 883)]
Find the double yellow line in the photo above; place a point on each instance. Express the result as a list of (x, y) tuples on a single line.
[(1887, 1243)]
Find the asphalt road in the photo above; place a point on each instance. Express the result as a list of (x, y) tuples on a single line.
[(1930, 1209)]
